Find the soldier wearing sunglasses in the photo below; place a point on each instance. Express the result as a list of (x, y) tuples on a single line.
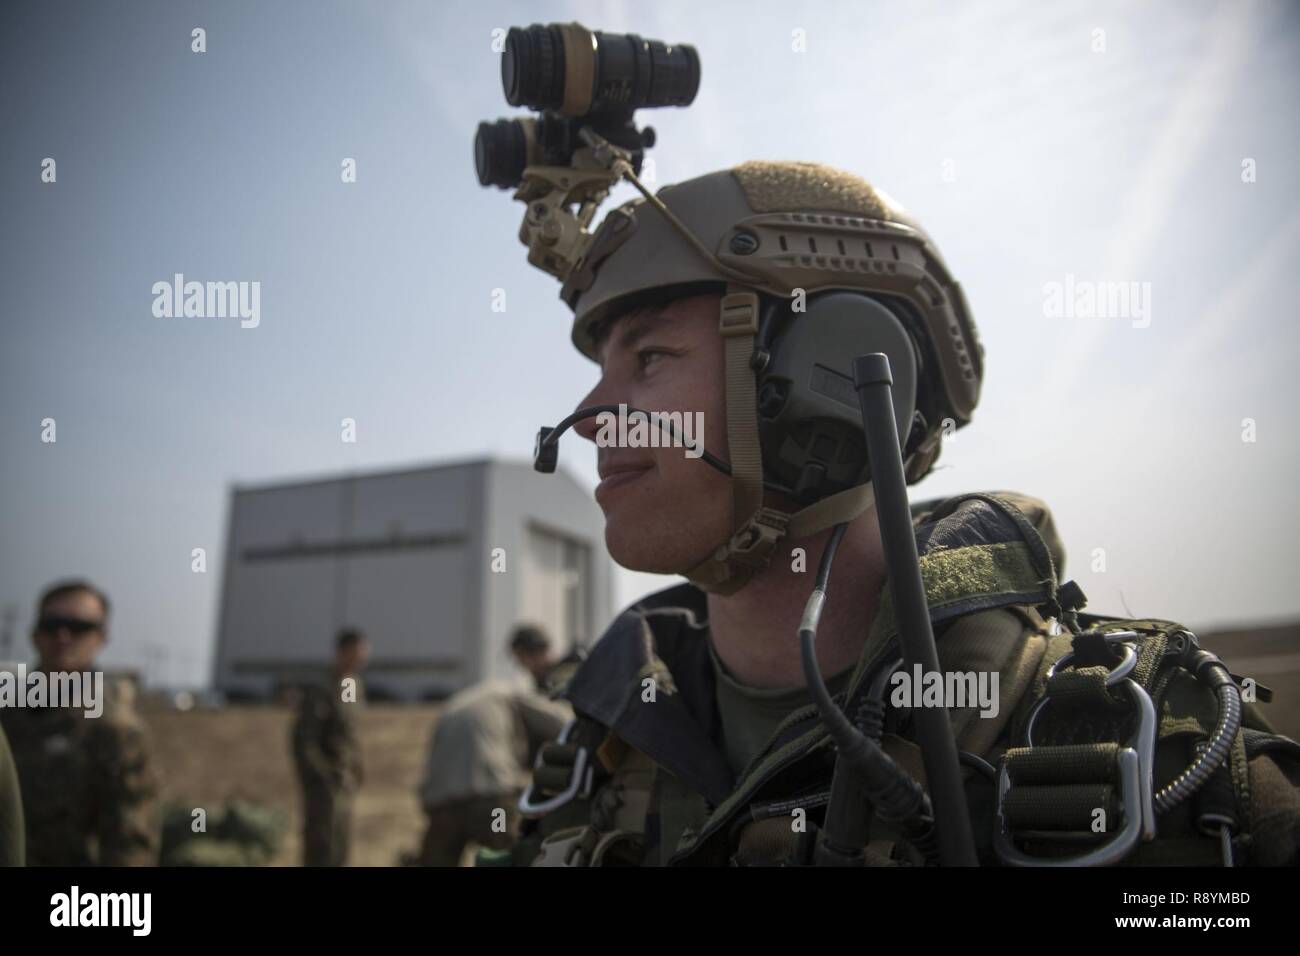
[(89, 790)]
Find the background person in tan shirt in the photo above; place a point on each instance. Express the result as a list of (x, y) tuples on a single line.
[(483, 748)]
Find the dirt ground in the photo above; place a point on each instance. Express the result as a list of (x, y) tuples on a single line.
[(208, 756)]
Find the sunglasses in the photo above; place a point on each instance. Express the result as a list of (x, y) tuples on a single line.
[(76, 626)]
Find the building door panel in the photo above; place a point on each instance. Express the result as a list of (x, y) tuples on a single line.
[(555, 587)]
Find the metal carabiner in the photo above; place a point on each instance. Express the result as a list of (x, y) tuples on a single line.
[(579, 782), (1118, 673), (1136, 770)]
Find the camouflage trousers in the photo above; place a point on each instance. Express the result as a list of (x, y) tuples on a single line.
[(326, 825), (454, 825)]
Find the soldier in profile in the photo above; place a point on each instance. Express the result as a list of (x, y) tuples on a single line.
[(88, 784), (746, 293), (327, 753)]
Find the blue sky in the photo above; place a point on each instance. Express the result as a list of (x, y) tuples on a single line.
[(1028, 154)]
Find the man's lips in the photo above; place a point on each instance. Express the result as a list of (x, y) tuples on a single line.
[(614, 477)]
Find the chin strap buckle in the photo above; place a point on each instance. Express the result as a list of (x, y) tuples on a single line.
[(750, 549), (753, 544)]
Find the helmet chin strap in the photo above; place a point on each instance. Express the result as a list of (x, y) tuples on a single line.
[(734, 564), (756, 529)]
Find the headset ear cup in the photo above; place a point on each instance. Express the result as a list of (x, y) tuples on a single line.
[(810, 422)]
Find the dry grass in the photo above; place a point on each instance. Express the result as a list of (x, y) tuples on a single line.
[(208, 756)]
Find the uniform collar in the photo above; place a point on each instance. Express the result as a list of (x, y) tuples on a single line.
[(649, 680)]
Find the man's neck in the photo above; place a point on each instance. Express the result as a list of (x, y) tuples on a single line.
[(756, 630)]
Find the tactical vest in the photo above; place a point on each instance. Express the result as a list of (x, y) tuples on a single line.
[(1097, 763)]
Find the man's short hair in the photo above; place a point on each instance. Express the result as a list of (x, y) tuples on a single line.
[(529, 639), (71, 586), (349, 638)]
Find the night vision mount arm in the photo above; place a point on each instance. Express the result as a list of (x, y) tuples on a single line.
[(558, 238), (556, 235)]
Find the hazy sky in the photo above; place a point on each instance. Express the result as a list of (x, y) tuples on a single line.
[(1030, 152)]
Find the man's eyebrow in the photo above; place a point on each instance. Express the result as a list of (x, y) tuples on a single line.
[(637, 326)]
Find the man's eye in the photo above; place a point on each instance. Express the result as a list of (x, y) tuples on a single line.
[(646, 357)]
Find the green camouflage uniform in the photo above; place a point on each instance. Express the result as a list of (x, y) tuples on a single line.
[(327, 752), (706, 773), (12, 839), (89, 788)]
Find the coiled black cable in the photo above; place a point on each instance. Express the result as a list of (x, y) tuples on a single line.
[(1225, 731)]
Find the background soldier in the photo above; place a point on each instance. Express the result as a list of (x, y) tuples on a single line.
[(484, 745), (327, 752), (89, 790), (532, 651)]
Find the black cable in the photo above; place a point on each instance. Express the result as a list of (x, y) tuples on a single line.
[(897, 797), (872, 710), (831, 714), (828, 556), (978, 763)]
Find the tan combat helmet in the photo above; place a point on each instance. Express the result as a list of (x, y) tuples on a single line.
[(776, 228)]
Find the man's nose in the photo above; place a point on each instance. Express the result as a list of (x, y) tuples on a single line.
[(600, 395)]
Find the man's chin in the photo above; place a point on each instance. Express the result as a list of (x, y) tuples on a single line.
[(652, 550)]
